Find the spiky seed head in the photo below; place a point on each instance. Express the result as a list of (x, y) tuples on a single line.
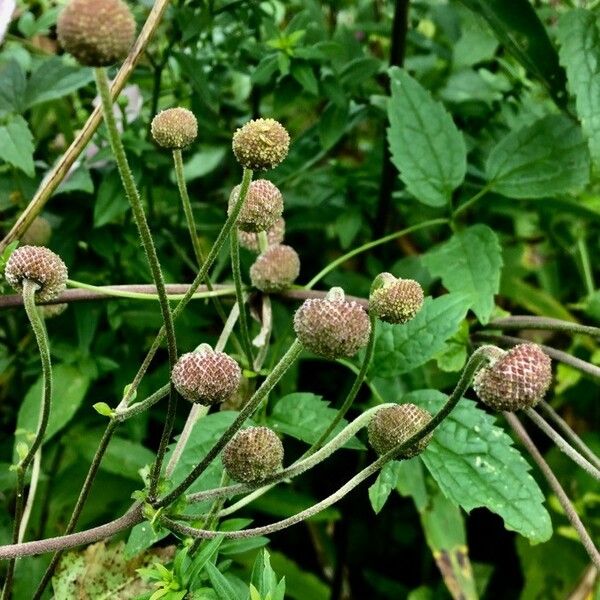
[(261, 144), (262, 207), (38, 264), (49, 311), (393, 425), (332, 327), (253, 454), (97, 33), (395, 300), (515, 379), (275, 269), (174, 128), (275, 235), (38, 233), (205, 376)]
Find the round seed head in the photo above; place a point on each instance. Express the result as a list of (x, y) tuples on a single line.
[(97, 33), (332, 327), (205, 376), (275, 235), (38, 264), (395, 300), (275, 269), (262, 207), (396, 424), (174, 128), (516, 379), (253, 454), (261, 144), (38, 233)]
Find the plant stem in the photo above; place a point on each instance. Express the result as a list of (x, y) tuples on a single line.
[(355, 370), (554, 484), (35, 477), (562, 444), (543, 323), (39, 330), (588, 278), (384, 240), (466, 205), (234, 248), (358, 381), (121, 415), (267, 385)]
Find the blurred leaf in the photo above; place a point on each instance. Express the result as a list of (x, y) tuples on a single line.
[(332, 124), (546, 158), (16, 145), (12, 87), (142, 536), (111, 201), (303, 73), (300, 585), (427, 148), (202, 163)]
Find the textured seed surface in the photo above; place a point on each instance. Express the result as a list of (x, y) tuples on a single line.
[(38, 233), (518, 379), (174, 128), (39, 264), (275, 269), (397, 301), (275, 235), (261, 144), (396, 424), (206, 377), (97, 33), (253, 454), (262, 207), (332, 328)]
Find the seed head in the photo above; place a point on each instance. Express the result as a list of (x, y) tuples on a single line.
[(275, 269), (396, 424), (38, 233), (261, 144), (97, 33), (275, 235), (253, 454), (332, 327), (516, 379), (38, 264), (205, 376), (395, 300), (262, 207), (174, 128)]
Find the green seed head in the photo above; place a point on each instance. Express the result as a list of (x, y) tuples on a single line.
[(275, 235), (253, 454), (275, 269), (97, 33), (174, 128), (396, 424), (261, 144), (395, 300), (262, 207)]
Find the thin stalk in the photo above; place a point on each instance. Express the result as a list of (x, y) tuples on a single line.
[(33, 484), (471, 201), (543, 323), (365, 247), (355, 370), (562, 444), (121, 415), (267, 385), (358, 381), (588, 277), (570, 434), (554, 484), (41, 337)]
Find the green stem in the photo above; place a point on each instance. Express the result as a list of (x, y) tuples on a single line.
[(234, 248), (261, 393), (139, 407), (365, 247), (356, 370), (585, 265), (466, 205), (543, 323), (41, 337)]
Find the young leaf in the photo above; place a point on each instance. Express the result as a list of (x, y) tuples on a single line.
[(427, 148), (386, 481), (264, 578), (402, 348), (16, 145), (546, 158), (224, 589), (470, 262)]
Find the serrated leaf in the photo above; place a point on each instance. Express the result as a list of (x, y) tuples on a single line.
[(470, 262), (579, 39), (305, 416), (546, 158), (475, 464), (16, 145), (386, 481), (427, 148), (402, 348)]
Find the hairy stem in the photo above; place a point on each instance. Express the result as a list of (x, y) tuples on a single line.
[(544, 323)]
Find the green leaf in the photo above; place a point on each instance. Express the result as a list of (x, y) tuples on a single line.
[(300, 585), (202, 163), (12, 87), (16, 145), (579, 39), (475, 464), (386, 481), (264, 578), (302, 72), (546, 158), (102, 408), (470, 262), (70, 387), (111, 201), (224, 589), (332, 124), (402, 348), (427, 148), (306, 416)]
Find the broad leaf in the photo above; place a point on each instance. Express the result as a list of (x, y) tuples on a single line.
[(12, 87), (546, 158), (426, 147), (402, 348), (16, 145), (470, 262)]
